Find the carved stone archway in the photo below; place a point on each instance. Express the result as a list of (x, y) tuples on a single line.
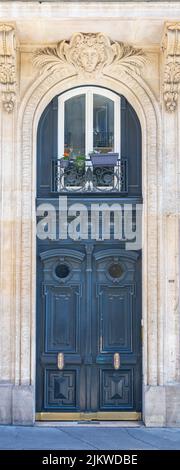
[(116, 67)]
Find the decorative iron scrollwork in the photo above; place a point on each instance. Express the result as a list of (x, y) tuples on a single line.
[(89, 178)]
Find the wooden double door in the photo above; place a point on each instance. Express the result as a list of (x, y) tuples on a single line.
[(88, 333)]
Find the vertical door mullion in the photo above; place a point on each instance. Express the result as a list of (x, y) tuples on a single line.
[(89, 128), (117, 137), (117, 125), (89, 121), (61, 115), (61, 126)]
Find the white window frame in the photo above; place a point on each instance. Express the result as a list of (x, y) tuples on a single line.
[(88, 91)]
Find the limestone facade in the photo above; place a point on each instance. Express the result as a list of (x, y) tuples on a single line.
[(137, 55)]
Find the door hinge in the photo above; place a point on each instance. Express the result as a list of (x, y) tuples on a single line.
[(42, 289), (142, 330)]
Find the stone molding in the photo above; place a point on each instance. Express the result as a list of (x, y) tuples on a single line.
[(8, 75), (89, 54), (171, 48)]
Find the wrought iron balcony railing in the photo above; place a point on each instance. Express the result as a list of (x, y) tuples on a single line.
[(86, 178)]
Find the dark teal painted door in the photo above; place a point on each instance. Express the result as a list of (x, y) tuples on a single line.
[(88, 297), (89, 309)]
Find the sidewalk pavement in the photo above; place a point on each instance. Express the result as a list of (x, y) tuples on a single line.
[(88, 436)]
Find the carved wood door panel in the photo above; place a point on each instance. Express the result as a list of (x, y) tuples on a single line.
[(116, 323), (61, 324)]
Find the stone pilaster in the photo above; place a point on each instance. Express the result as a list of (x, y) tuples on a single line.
[(170, 214), (7, 278), (7, 257)]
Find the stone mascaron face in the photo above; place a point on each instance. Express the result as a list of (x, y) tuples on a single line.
[(88, 52), (89, 59)]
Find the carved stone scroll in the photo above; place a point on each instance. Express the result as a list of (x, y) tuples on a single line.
[(171, 47), (7, 66)]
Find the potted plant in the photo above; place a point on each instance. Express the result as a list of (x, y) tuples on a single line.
[(80, 162), (104, 159)]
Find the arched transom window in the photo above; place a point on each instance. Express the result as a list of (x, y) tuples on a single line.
[(89, 140), (88, 120)]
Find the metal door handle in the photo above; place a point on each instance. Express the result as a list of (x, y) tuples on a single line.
[(117, 361), (60, 360)]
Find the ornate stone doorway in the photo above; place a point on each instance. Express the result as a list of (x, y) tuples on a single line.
[(120, 76)]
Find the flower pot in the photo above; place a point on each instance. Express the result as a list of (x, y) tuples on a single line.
[(104, 159), (64, 163)]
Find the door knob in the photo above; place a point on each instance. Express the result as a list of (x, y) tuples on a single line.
[(60, 361), (117, 361)]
